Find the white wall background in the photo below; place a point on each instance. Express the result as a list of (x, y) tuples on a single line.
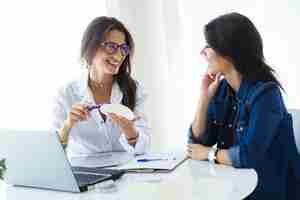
[(39, 48), (147, 22), (169, 39)]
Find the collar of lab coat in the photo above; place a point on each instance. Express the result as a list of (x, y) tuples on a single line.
[(86, 94)]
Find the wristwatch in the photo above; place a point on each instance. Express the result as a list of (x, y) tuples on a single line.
[(212, 154)]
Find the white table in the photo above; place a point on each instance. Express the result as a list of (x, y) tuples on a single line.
[(191, 180)]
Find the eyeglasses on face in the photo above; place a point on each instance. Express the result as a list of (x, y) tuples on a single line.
[(112, 48)]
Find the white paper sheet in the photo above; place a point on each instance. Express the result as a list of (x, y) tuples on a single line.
[(102, 159), (166, 161)]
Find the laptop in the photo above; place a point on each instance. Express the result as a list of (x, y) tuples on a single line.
[(37, 159)]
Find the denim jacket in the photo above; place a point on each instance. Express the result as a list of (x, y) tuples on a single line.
[(256, 128)]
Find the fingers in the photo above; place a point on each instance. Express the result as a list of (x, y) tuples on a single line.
[(114, 118), (193, 146), (207, 79), (127, 127), (77, 115), (82, 107), (214, 77), (218, 77), (121, 119), (79, 112), (189, 151), (209, 76), (136, 118), (197, 151), (217, 80)]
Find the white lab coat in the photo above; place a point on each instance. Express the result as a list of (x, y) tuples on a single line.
[(95, 135)]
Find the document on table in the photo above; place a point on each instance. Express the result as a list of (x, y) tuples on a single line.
[(154, 162), (107, 159)]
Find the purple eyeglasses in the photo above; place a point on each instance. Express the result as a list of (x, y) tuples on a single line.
[(112, 48)]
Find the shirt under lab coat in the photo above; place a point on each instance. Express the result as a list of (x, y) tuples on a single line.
[(96, 135)]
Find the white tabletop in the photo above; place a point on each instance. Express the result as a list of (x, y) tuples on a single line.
[(191, 180)]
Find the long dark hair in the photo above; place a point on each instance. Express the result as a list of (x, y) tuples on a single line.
[(93, 36), (235, 37)]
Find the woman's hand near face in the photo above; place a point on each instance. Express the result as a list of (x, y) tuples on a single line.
[(210, 84)]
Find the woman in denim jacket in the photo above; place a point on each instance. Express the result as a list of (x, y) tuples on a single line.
[(242, 111)]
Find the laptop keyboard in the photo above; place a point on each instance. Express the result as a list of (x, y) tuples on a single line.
[(87, 179)]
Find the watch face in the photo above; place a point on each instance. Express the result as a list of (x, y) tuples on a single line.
[(211, 154)]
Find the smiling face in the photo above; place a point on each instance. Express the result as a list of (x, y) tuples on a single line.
[(111, 54)]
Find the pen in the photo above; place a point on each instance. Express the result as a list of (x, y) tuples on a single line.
[(90, 108), (147, 160)]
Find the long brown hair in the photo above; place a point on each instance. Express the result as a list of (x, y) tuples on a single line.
[(233, 35), (93, 36)]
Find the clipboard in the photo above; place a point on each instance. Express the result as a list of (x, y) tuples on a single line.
[(154, 163)]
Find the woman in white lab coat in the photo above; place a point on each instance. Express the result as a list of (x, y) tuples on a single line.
[(107, 49)]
